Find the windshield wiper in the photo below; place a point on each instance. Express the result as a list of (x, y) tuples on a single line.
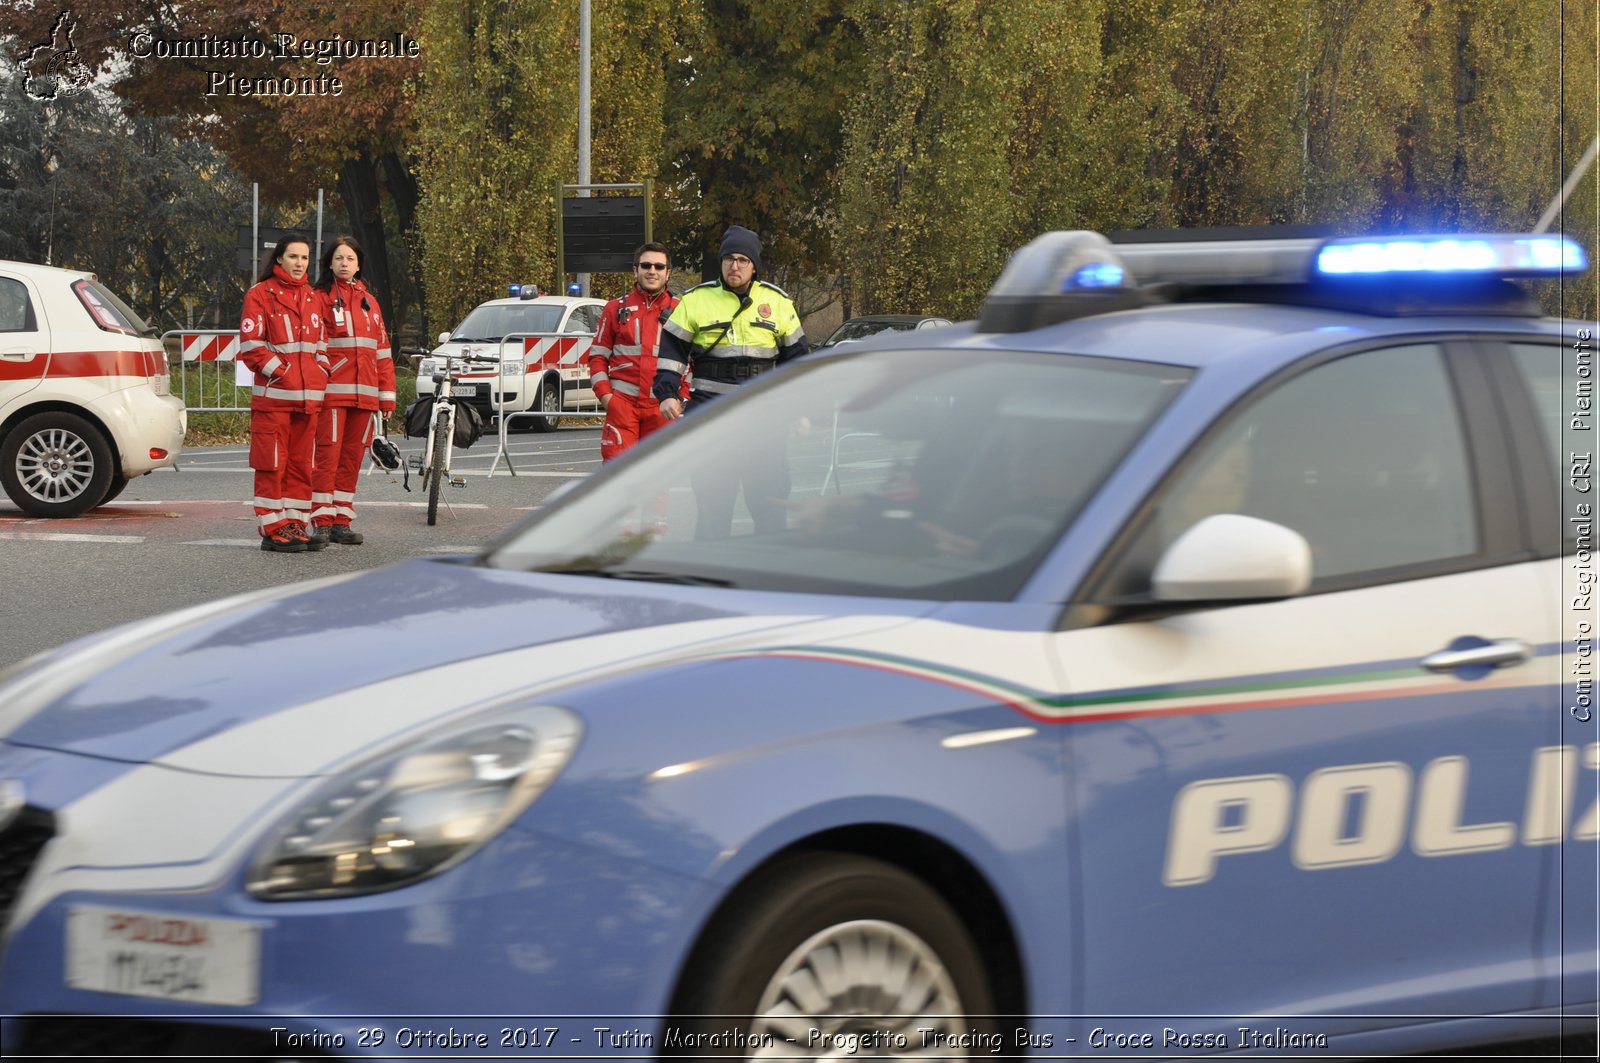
[(642, 574)]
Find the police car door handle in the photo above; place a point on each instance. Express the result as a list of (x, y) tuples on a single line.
[(18, 354), (1505, 653)]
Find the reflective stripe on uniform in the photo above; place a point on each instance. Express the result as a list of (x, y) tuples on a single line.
[(623, 387), (760, 353), (285, 394), (354, 389)]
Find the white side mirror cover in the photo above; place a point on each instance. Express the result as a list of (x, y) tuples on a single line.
[(444, 337), (1231, 556)]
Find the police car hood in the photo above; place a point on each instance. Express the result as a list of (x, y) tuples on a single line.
[(352, 654)]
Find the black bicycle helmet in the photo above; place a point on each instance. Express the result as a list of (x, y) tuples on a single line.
[(385, 453)]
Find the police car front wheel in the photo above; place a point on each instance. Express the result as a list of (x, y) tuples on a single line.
[(828, 955), (56, 465)]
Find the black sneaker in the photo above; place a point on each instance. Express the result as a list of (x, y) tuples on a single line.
[(298, 533), (282, 542), (343, 535), (318, 533)]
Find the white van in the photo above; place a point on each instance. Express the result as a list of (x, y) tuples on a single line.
[(85, 403), (550, 374)]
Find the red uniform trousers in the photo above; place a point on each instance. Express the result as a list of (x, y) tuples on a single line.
[(282, 452), (628, 420), (343, 435)]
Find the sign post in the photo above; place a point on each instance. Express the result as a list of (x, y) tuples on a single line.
[(599, 234)]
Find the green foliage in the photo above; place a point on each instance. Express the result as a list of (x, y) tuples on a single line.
[(498, 132), (86, 185), (756, 98), (924, 207)]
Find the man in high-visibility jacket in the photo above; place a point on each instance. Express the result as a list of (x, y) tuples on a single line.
[(727, 332)]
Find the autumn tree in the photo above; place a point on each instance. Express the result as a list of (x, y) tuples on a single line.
[(291, 145), (925, 214), (755, 106), (84, 185)]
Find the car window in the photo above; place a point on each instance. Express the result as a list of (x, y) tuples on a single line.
[(584, 319), (16, 310), (1365, 456), (1540, 366), (896, 473)]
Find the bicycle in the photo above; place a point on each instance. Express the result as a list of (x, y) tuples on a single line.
[(438, 445)]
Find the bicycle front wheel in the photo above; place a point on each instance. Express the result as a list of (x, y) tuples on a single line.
[(436, 470)]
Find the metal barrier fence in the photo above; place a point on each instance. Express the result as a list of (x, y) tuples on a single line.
[(554, 351), (210, 361)]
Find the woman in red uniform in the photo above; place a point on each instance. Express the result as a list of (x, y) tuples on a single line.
[(360, 389), (281, 340)]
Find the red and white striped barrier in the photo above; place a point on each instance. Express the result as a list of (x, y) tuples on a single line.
[(210, 346)]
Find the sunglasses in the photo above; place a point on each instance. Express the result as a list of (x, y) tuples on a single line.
[(651, 265)]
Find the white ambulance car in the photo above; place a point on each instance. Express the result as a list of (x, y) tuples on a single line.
[(85, 403), (547, 371)]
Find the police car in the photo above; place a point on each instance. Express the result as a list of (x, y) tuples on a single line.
[(546, 361), (85, 403), (1192, 655)]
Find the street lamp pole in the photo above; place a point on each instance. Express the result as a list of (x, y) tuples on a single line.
[(583, 115)]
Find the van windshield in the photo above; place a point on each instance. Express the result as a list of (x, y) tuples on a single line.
[(493, 322)]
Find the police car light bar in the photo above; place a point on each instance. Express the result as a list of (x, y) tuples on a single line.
[(523, 291), (1064, 275), (1499, 255), (1056, 277)]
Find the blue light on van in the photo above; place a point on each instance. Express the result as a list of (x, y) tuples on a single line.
[(1546, 254)]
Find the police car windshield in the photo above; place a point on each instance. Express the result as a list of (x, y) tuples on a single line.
[(492, 322), (943, 474)]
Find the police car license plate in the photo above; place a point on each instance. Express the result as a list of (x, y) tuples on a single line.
[(147, 954), (468, 391)]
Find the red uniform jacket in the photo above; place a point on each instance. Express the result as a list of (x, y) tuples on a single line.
[(281, 339), (360, 364), (622, 358)]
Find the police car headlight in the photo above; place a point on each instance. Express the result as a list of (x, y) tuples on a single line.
[(418, 810), (427, 367), (511, 367)]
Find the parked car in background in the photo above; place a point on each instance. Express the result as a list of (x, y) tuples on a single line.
[(85, 403), (859, 328), (550, 374)]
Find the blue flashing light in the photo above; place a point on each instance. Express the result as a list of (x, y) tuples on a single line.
[(1093, 276), (1529, 255), (574, 288)]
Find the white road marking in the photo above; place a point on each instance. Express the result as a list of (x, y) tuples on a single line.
[(254, 543), (72, 537)]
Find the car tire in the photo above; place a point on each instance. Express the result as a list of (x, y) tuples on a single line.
[(830, 912), (549, 402), (118, 482), (56, 464)]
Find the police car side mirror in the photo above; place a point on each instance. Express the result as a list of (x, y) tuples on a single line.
[(444, 337), (1229, 556)]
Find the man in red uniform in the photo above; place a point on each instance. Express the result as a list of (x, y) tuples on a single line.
[(281, 339), (622, 359), (360, 389)]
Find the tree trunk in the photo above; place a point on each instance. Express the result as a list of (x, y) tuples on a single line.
[(358, 184)]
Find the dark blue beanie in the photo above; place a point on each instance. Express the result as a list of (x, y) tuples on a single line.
[(741, 241)]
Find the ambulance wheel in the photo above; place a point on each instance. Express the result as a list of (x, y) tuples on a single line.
[(849, 947), (549, 402), (56, 465)]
